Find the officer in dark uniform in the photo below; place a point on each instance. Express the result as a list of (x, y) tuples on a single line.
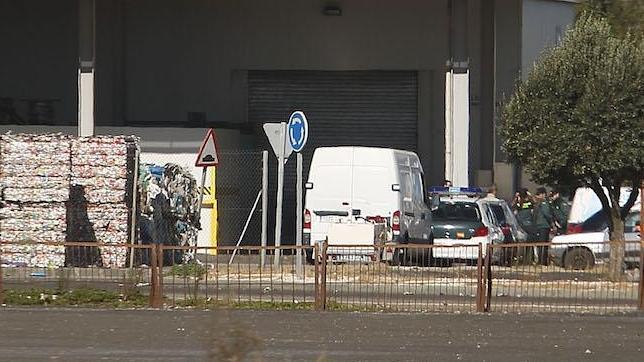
[(523, 205), (543, 223), (560, 211)]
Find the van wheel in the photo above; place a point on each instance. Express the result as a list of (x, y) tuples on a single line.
[(395, 258), (579, 259), (428, 253)]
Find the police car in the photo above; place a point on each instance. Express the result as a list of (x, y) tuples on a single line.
[(463, 216)]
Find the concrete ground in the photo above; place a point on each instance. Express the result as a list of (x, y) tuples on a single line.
[(151, 335)]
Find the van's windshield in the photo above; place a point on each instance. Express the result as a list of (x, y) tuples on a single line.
[(461, 211)]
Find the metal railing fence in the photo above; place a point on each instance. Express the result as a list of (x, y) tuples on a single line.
[(411, 278)]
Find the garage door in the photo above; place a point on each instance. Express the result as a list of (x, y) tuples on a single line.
[(359, 108)]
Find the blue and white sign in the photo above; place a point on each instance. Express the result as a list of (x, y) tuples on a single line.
[(297, 130)]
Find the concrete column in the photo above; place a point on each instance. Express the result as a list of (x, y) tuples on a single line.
[(86, 39)]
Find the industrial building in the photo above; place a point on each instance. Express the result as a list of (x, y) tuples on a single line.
[(365, 72)]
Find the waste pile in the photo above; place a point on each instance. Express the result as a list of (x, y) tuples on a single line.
[(56, 188), (34, 187), (169, 205)]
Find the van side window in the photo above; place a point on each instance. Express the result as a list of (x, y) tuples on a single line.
[(406, 185), (418, 187)]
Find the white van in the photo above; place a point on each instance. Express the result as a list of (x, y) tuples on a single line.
[(354, 184), (585, 212)]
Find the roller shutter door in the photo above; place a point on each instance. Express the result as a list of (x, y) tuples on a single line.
[(357, 108)]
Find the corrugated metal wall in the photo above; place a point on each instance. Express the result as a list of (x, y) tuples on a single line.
[(363, 108)]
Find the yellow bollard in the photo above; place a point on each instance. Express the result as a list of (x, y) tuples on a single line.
[(210, 201), (214, 222)]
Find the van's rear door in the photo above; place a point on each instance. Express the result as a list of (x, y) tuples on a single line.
[(329, 200)]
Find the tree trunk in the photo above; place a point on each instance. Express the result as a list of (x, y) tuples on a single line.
[(617, 244)]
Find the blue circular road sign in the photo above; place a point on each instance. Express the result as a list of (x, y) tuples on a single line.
[(298, 131)]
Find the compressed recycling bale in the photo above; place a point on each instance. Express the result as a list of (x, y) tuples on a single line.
[(33, 255), (35, 168), (103, 160), (36, 182), (26, 149), (35, 195), (87, 171), (30, 236), (100, 182), (40, 211), (9, 170), (105, 196), (113, 257)]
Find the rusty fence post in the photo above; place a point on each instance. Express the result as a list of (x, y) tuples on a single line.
[(488, 277), (1, 282), (316, 263), (159, 294), (153, 274), (641, 297), (156, 277), (323, 260), (480, 297)]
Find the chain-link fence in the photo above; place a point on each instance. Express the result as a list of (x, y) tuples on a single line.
[(229, 194), (239, 182)]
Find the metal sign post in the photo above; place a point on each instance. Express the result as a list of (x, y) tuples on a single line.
[(298, 135), (280, 197), (262, 258), (208, 156), (276, 133), (285, 139), (299, 268)]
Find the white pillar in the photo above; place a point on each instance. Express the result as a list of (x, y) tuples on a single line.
[(86, 40)]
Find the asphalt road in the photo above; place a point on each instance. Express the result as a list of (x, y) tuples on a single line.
[(150, 335)]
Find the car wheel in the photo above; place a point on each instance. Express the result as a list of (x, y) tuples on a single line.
[(579, 259), (309, 257)]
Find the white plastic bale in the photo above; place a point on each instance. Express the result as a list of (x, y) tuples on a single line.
[(36, 182), (9, 170), (33, 255), (100, 182), (86, 171), (35, 195), (113, 257), (30, 236), (41, 211)]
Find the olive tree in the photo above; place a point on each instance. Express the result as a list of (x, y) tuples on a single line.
[(578, 119)]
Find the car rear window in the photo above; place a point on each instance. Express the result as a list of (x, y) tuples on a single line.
[(498, 213), (462, 211)]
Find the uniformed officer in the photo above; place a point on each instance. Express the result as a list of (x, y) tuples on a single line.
[(523, 205), (543, 223), (560, 211)]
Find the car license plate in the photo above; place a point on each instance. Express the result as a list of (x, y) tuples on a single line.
[(460, 235), (332, 219), (348, 258)]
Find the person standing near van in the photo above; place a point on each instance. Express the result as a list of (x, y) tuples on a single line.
[(543, 223), (559, 211)]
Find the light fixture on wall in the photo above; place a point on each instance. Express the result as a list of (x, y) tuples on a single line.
[(332, 10)]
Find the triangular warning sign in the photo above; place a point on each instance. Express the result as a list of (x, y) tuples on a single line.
[(208, 152)]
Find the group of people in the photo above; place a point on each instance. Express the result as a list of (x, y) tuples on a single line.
[(541, 215)]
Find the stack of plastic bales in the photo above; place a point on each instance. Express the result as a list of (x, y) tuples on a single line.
[(34, 186), (101, 184)]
